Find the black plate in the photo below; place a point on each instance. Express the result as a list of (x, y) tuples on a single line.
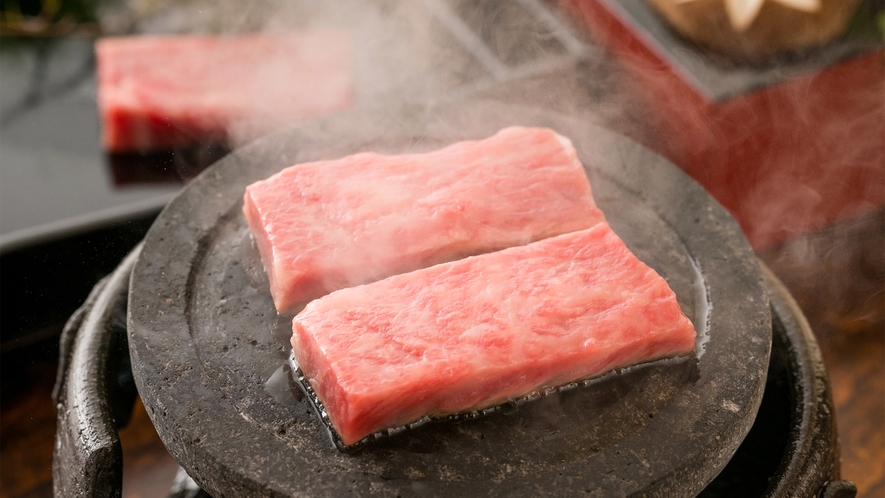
[(208, 348)]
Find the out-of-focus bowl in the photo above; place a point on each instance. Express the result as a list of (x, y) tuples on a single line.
[(776, 29)]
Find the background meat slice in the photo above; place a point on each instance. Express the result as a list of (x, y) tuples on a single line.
[(476, 332), (327, 225), (157, 92)]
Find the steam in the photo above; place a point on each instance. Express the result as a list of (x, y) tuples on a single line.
[(822, 161), (837, 275), (412, 51), (430, 50)]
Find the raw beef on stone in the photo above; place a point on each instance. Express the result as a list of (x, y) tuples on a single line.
[(159, 92), (477, 332), (328, 225)]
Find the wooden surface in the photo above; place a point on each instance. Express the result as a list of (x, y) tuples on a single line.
[(837, 276)]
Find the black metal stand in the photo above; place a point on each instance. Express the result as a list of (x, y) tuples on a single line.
[(94, 391), (94, 394)]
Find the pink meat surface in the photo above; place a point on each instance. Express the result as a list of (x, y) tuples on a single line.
[(477, 332), (161, 92), (328, 225)]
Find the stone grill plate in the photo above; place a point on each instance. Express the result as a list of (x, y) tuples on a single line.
[(209, 351)]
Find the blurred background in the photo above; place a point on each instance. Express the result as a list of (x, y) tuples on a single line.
[(787, 132)]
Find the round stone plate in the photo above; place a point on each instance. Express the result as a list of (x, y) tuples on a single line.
[(209, 351)]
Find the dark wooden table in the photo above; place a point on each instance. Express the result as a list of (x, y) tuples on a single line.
[(837, 275)]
